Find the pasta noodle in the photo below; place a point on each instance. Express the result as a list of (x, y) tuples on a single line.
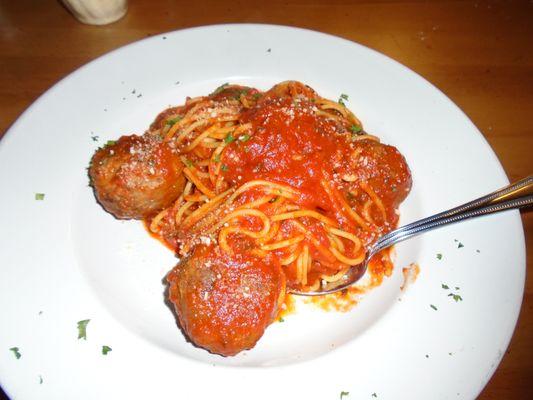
[(283, 175)]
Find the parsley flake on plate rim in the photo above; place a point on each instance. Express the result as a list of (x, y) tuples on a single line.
[(82, 329), (16, 352)]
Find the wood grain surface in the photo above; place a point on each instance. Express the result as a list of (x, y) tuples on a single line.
[(480, 53)]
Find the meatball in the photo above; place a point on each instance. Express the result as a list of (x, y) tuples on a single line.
[(136, 176), (224, 303), (384, 168)]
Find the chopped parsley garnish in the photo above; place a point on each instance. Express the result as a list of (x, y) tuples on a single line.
[(244, 138), (172, 121), (427, 355), (228, 139), (456, 297), (224, 167), (16, 352), (460, 245), (82, 329), (281, 319), (374, 394), (189, 163), (439, 256), (355, 128), (343, 394), (220, 88), (269, 50), (110, 143), (106, 349), (39, 196), (433, 307), (257, 96), (343, 98), (217, 158), (240, 93), (95, 138), (40, 380)]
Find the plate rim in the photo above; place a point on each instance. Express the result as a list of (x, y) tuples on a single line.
[(9, 134)]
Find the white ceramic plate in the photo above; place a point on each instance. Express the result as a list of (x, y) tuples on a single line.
[(63, 259)]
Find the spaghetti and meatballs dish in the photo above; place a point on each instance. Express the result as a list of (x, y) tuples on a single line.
[(258, 194)]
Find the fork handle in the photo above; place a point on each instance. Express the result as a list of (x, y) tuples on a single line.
[(517, 195)]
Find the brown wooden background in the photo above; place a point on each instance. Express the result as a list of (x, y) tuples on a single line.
[(480, 53)]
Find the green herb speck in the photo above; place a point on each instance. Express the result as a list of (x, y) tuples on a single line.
[(343, 394), (106, 349), (220, 88), (224, 167), (40, 380), (374, 394), (16, 352), (355, 128), (82, 329), (281, 319), (228, 139), (439, 256), (172, 121), (343, 97), (456, 297), (460, 245), (217, 158), (244, 138), (445, 286), (433, 307), (39, 196)]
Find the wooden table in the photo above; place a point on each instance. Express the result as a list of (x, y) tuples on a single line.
[(480, 53)]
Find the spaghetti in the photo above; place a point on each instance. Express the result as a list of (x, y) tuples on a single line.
[(259, 193), (317, 221)]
